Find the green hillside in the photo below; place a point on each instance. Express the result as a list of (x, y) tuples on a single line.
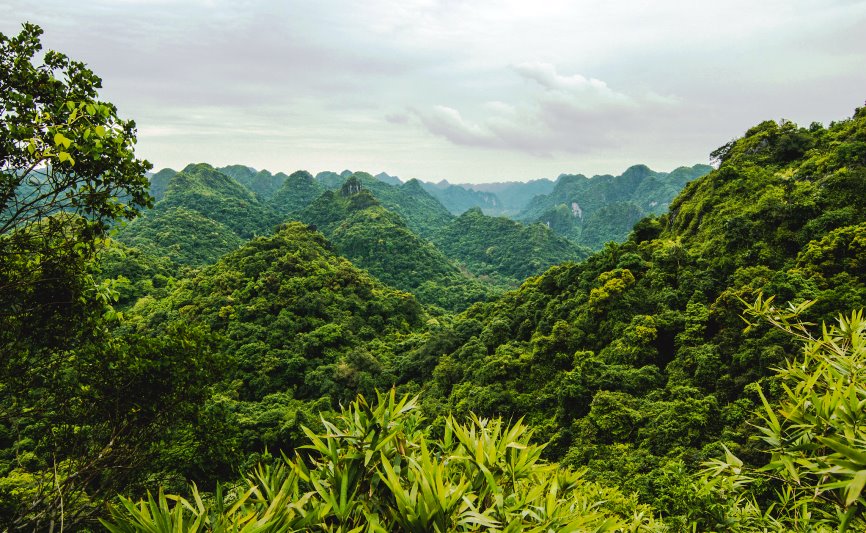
[(297, 192), (202, 215), (159, 183), (458, 199), (262, 182), (292, 322), (423, 214), (184, 236), (378, 240), (570, 207), (636, 361), (502, 250), (512, 196)]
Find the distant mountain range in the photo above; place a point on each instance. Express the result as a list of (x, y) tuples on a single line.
[(406, 233)]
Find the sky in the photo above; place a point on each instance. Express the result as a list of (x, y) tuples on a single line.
[(468, 91)]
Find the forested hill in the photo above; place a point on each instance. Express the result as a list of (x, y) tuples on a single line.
[(202, 215), (636, 361), (379, 240), (291, 322), (422, 213), (159, 183), (261, 182), (595, 210), (512, 196), (502, 250), (297, 192), (459, 199)]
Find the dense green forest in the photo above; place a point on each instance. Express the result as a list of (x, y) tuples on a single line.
[(235, 350), (593, 211)]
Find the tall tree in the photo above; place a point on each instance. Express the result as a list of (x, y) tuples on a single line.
[(80, 407)]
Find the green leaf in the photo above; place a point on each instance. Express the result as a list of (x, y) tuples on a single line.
[(60, 139), (856, 487)]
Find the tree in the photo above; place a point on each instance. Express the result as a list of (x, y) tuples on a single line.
[(61, 149), (67, 173), (79, 406)]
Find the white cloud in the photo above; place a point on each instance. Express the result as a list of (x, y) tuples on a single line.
[(591, 85), (564, 113)]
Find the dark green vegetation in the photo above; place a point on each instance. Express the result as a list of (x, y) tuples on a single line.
[(262, 183), (502, 250), (378, 240), (653, 405), (202, 215), (604, 208)]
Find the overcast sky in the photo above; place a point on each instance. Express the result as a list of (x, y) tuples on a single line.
[(468, 91)]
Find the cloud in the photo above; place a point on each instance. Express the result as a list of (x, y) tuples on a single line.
[(397, 118), (445, 88), (564, 113)]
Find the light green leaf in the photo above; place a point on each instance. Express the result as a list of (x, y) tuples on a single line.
[(856, 487)]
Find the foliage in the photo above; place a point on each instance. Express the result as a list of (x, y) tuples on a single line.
[(83, 409), (374, 470), (814, 434), (61, 149), (502, 250), (67, 171), (134, 273), (203, 215), (604, 208), (378, 240)]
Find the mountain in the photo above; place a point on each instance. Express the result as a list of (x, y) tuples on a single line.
[(182, 235), (378, 240), (513, 196), (297, 192), (574, 207), (263, 183), (332, 180), (291, 321), (422, 213), (458, 199), (505, 251), (635, 363), (202, 215), (159, 183), (390, 180)]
